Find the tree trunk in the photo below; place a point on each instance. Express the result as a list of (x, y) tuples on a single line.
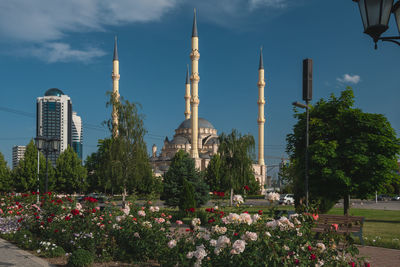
[(231, 203), (123, 197), (346, 204)]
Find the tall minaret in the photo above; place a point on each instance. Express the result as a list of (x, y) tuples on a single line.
[(195, 78), (261, 119), (115, 77), (187, 95)]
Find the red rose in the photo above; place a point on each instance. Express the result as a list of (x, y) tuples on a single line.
[(187, 229), (93, 210), (260, 212), (211, 220), (246, 187), (67, 218), (246, 212), (313, 257), (221, 194), (366, 264), (56, 231), (309, 248), (41, 223), (37, 217), (49, 220), (235, 234), (75, 212), (20, 220), (17, 203), (352, 264), (52, 215), (296, 261)]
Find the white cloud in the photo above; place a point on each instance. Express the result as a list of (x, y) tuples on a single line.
[(267, 3), (61, 52), (347, 78), (48, 23)]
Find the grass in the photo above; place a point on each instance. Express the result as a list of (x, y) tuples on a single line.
[(381, 227)]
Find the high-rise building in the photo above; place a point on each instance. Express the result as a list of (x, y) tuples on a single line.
[(18, 153), (77, 134), (54, 119)]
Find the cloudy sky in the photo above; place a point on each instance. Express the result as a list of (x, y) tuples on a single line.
[(68, 45)]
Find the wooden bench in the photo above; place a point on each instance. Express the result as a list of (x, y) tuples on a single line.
[(346, 224)]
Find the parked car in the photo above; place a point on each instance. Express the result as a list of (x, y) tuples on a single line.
[(396, 198), (383, 198), (286, 199)]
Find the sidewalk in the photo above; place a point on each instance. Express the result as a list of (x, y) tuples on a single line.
[(380, 257), (10, 255)]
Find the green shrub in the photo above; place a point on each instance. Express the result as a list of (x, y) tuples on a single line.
[(80, 258), (25, 239)]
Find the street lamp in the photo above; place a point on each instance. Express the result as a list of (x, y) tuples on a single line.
[(307, 96), (375, 15), (47, 145)]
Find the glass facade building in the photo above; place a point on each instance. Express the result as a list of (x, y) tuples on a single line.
[(54, 120)]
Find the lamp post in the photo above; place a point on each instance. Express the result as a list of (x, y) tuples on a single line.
[(301, 105), (307, 96), (47, 145), (375, 15)]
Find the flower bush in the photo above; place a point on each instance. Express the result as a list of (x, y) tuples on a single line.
[(57, 225)]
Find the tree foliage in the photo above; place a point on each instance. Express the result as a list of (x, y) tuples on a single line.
[(350, 153), (70, 174), (232, 167), (121, 163), (25, 175), (183, 168), (5, 176)]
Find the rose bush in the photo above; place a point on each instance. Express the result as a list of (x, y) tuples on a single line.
[(141, 233)]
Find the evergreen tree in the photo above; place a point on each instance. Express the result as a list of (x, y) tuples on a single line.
[(187, 200), (6, 184), (70, 174), (214, 174), (182, 168)]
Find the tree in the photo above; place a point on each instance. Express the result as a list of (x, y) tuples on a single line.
[(236, 167), (187, 200), (350, 153), (128, 163), (183, 168), (214, 174), (5, 175), (26, 173), (70, 174)]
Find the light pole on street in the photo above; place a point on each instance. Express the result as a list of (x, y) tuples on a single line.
[(47, 145), (307, 96)]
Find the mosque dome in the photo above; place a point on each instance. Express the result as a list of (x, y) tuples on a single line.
[(203, 123), (54, 92), (179, 140)]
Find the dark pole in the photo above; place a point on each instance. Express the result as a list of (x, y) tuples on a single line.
[(306, 159), (47, 174)]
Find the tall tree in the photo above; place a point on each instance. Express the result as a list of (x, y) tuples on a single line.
[(5, 176), (350, 153), (70, 174), (236, 152), (26, 173), (214, 174), (182, 169), (129, 166)]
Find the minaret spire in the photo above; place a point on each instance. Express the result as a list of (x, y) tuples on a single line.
[(115, 93), (261, 119), (194, 30), (187, 95), (115, 49), (195, 78), (261, 65)]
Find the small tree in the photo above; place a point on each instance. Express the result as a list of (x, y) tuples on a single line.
[(182, 168), (5, 176), (70, 174), (187, 200)]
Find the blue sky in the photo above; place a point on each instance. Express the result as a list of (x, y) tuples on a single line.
[(68, 45)]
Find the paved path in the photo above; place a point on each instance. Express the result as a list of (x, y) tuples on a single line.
[(10, 255), (381, 257)]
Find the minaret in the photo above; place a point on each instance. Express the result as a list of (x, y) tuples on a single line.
[(195, 78), (115, 77), (187, 95), (261, 119)]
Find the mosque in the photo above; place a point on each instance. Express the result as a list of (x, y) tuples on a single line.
[(197, 136)]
